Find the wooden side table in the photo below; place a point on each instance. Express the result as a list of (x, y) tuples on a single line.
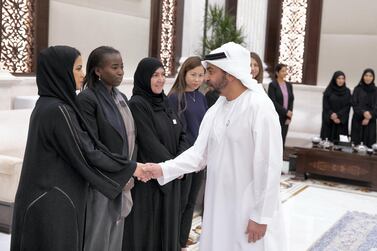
[(346, 165)]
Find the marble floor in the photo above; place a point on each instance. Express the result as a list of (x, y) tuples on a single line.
[(309, 212)]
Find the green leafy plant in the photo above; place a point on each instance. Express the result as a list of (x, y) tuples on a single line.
[(220, 28)]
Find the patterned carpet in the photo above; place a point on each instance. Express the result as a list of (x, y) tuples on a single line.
[(323, 183), (354, 231)]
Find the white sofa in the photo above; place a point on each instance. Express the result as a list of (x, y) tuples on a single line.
[(13, 132), (13, 135), (307, 115)]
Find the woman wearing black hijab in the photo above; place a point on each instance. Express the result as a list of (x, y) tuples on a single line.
[(153, 224), (61, 161), (336, 105), (106, 111), (364, 103)]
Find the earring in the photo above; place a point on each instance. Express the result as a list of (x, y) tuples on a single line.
[(99, 78)]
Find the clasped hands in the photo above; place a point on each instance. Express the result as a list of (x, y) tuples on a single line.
[(145, 172), (334, 117), (367, 116)]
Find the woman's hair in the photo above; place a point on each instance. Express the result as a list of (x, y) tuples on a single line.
[(96, 59), (180, 84), (256, 57), (278, 67)]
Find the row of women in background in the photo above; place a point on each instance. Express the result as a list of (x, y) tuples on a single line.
[(337, 102), (76, 190)]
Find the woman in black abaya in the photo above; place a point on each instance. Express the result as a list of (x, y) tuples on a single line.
[(61, 160), (336, 108), (364, 103), (153, 224)]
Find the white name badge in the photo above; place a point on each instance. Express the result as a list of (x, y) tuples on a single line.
[(174, 121)]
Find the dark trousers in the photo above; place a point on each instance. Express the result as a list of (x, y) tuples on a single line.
[(284, 131), (190, 188)]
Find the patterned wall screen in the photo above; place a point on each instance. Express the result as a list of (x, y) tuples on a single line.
[(292, 37), (17, 35), (168, 30)]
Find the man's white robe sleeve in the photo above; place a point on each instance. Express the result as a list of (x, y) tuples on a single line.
[(266, 166), (193, 159)]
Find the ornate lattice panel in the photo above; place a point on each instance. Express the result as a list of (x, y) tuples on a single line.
[(292, 37), (167, 42), (17, 35)]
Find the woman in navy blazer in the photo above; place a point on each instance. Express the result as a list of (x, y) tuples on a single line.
[(281, 94)]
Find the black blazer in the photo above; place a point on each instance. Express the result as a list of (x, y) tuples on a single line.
[(101, 127), (276, 96)]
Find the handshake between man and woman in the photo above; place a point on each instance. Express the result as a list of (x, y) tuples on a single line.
[(145, 172)]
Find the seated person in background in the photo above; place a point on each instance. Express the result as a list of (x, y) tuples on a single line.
[(336, 108), (364, 103)]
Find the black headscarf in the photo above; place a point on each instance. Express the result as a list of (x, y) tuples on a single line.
[(368, 87), (55, 73), (142, 83), (55, 79), (333, 87)]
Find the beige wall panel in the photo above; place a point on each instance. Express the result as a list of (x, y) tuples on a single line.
[(87, 28), (349, 53)]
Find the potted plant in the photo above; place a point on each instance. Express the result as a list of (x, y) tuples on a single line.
[(219, 29)]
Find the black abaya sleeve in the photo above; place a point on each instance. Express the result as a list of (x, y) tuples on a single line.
[(326, 108), (173, 101), (147, 139), (373, 112), (357, 108), (106, 172), (183, 143), (87, 105), (344, 113)]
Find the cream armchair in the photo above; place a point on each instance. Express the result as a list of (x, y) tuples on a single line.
[(14, 125)]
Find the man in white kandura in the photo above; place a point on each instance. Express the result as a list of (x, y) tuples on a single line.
[(240, 142)]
